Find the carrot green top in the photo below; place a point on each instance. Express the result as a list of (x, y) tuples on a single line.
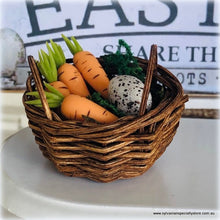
[(47, 66), (74, 46), (49, 63), (57, 53), (53, 96)]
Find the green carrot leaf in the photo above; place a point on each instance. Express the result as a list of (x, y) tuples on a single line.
[(74, 46), (37, 102), (47, 65), (54, 98), (53, 67), (45, 59), (69, 44), (77, 45), (53, 90), (61, 53), (57, 53), (49, 95), (51, 105)]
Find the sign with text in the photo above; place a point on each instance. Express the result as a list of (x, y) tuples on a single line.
[(186, 32)]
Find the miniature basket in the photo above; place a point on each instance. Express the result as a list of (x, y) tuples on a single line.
[(107, 152)]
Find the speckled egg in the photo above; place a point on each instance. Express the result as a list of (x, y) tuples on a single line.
[(125, 92)]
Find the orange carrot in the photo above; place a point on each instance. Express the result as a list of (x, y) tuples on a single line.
[(92, 71), (75, 107), (89, 67), (61, 87), (67, 73), (71, 77)]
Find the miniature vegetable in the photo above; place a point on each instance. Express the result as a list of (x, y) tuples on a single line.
[(61, 87), (69, 75), (89, 67), (48, 68), (73, 107)]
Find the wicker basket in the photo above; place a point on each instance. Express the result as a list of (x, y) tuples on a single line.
[(105, 153)]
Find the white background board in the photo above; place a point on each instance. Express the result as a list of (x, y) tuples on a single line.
[(186, 32)]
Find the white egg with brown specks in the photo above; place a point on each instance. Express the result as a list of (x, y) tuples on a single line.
[(125, 92)]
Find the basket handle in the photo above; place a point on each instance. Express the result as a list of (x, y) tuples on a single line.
[(151, 69), (39, 86)]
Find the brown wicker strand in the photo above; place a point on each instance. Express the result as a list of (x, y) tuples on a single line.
[(39, 86), (108, 152), (152, 68)]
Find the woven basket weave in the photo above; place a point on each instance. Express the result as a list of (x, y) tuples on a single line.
[(105, 153)]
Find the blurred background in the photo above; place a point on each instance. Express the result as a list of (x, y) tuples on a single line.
[(186, 32)]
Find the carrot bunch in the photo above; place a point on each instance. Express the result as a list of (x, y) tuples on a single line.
[(89, 67), (73, 106), (48, 68), (65, 77), (66, 84)]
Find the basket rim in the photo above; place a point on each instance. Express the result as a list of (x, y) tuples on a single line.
[(166, 106)]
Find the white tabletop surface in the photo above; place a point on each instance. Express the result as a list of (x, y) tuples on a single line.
[(184, 179)]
